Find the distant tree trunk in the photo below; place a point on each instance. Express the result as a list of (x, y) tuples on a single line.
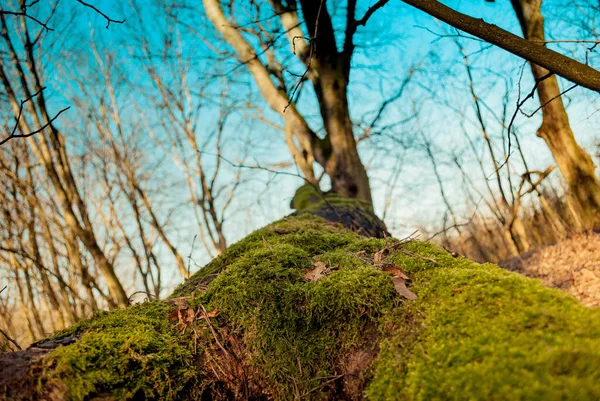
[(574, 163)]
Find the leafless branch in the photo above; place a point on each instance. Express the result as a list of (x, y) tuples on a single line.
[(371, 10), (27, 15), (14, 134), (108, 19)]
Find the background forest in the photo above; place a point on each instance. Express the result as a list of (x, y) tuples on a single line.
[(140, 139)]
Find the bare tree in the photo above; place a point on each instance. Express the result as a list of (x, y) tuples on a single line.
[(575, 164), (188, 116), (21, 74), (326, 62)]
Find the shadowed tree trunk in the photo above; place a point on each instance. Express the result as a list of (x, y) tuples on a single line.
[(574, 163)]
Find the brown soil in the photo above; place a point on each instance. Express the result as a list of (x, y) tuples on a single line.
[(573, 265)]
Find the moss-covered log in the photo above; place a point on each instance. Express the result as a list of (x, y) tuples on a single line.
[(308, 309)]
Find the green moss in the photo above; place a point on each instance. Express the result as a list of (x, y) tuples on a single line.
[(296, 330), (128, 353), (478, 332), (308, 199), (474, 332), (306, 196)]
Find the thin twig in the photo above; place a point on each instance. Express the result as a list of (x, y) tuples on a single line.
[(14, 134), (11, 340), (190, 255), (108, 19)]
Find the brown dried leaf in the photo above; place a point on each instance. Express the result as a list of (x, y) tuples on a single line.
[(184, 316), (174, 315), (400, 285), (180, 301), (213, 313), (319, 271), (396, 272)]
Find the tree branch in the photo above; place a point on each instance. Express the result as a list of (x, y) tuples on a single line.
[(370, 12), (108, 19), (14, 134), (564, 66), (24, 13)]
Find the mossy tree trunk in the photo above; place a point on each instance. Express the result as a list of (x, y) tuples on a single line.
[(310, 309)]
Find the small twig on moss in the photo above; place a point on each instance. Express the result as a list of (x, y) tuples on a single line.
[(466, 223), (332, 379), (190, 256), (416, 255), (212, 330), (141, 292)]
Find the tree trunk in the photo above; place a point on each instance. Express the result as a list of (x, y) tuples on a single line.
[(574, 163), (344, 167), (328, 70), (330, 75), (308, 309)]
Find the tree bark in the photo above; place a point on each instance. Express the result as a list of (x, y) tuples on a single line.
[(575, 164), (330, 75)]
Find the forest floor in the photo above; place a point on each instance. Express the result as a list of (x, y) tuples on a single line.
[(572, 265)]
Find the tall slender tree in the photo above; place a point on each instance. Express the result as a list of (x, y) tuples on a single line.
[(575, 163)]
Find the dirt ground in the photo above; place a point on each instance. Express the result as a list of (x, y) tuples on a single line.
[(573, 265)]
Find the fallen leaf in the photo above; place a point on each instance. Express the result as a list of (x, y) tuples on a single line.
[(173, 315), (184, 316), (213, 313), (400, 285), (319, 271), (180, 301), (396, 272)]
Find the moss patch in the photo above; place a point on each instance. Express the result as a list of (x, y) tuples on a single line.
[(127, 353), (295, 331), (474, 332), (479, 332)]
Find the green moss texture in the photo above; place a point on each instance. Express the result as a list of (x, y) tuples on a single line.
[(475, 332)]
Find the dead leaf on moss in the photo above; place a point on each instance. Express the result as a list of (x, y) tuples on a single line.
[(396, 272), (319, 271), (400, 286), (179, 301), (184, 315), (213, 313)]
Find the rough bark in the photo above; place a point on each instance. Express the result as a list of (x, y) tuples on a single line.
[(330, 75), (575, 164)]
